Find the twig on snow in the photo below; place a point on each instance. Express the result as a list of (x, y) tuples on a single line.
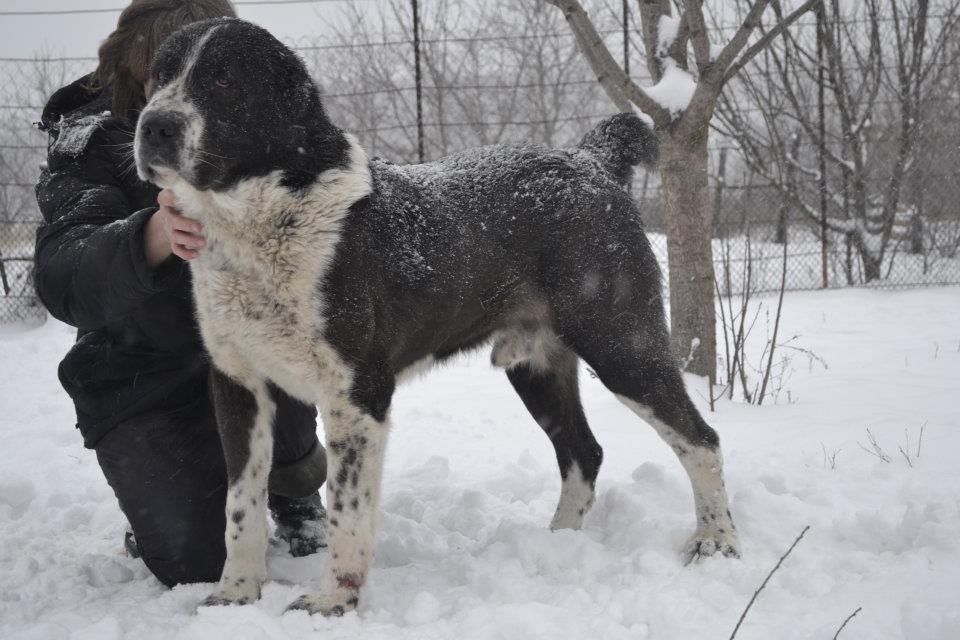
[(764, 583), (832, 458), (906, 456), (877, 452), (849, 618)]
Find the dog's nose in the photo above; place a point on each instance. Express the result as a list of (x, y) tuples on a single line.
[(162, 129)]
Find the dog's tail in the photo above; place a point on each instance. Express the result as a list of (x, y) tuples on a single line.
[(620, 143)]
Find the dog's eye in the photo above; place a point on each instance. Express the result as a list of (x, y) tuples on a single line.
[(223, 83), (163, 77)]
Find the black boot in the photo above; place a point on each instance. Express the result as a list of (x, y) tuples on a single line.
[(301, 522)]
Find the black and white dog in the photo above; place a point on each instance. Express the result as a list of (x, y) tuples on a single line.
[(332, 275)]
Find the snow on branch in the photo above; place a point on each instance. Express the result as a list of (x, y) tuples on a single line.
[(675, 89), (621, 89), (667, 31), (666, 38)]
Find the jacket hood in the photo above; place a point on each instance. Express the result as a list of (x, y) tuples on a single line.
[(74, 101), (72, 116)]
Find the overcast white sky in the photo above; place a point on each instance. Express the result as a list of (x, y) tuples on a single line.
[(80, 35)]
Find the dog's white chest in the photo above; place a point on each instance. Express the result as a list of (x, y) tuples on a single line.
[(257, 284), (273, 326)]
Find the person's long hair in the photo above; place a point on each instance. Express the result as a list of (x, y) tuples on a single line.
[(143, 26)]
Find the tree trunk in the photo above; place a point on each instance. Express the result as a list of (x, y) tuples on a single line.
[(683, 169), (848, 262), (718, 188), (916, 234), (871, 266), (781, 235)]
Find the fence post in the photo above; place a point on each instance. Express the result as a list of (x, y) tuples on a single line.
[(823, 142), (720, 184), (3, 276), (626, 37), (418, 78)]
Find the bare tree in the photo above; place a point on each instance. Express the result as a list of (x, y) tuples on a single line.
[(27, 85), (936, 171), (860, 161), (681, 104), (22, 147), (492, 72)]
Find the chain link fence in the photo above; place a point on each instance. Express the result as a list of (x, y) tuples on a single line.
[(527, 83)]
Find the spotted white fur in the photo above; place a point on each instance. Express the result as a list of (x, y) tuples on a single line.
[(239, 293), (260, 315), (704, 466), (246, 532), (576, 497)]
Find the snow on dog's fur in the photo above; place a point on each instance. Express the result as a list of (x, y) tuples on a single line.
[(331, 275)]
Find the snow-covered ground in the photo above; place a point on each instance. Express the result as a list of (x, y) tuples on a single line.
[(463, 549)]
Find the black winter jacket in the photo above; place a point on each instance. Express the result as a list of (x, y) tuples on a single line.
[(138, 347)]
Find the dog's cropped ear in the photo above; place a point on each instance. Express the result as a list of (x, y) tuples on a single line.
[(306, 98)]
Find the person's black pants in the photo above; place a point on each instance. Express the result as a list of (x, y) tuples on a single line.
[(169, 475)]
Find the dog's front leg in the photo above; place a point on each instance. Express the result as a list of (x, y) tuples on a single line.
[(356, 441), (245, 413)]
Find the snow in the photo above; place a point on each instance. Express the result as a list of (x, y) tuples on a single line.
[(675, 89), (645, 117), (74, 134), (463, 549), (667, 29)]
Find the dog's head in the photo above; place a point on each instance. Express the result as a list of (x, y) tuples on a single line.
[(229, 101)]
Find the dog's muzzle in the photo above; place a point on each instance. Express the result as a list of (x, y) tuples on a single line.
[(160, 138)]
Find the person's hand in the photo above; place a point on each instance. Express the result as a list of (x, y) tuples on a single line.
[(168, 231)]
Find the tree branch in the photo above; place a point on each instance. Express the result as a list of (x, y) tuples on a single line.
[(849, 618), (650, 13), (762, 43), (723, 61), (770, 575), (678, 49), (623, 91), (697, 27)]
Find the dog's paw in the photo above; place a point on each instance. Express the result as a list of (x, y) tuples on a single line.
[(336, 604), (239, 592), (707, 543), (572, 521)]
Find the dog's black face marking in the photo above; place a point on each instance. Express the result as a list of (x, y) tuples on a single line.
[(230, 102)]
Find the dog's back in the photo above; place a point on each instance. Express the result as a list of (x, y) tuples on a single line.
[(484, 238)]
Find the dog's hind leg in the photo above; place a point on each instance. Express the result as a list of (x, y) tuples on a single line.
[(245, 414), (356, 426), (544, 374), (637, 365), (680, 425)]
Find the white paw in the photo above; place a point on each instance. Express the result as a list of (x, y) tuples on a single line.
[(239, 591), (567, 520), (576, 498), (706, 543), (335, 604)]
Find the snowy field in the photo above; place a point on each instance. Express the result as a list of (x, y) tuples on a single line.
[(463, 550)]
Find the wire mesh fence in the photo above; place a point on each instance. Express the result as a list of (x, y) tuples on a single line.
[(512, 73)]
